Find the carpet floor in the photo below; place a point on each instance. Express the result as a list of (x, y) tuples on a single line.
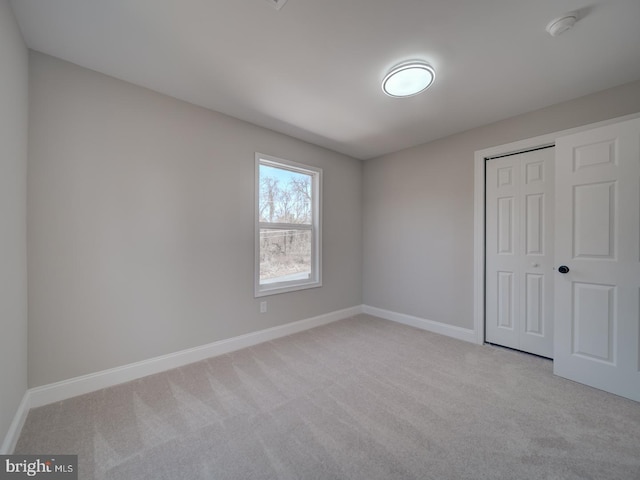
[(362, 398)]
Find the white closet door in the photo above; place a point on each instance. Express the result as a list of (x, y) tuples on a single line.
[(519, 251), (597, 302)]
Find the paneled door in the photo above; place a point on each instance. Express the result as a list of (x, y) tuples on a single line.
[(519, 251), (597, 284)]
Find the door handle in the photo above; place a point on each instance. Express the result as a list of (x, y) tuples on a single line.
[(563, 269)]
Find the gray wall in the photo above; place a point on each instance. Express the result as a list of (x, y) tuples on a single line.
[(418, 209), (140, 221), (140, 224), (13, 185)]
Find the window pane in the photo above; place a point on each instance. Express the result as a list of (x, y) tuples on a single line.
[(288, 240), (285, 255), (285, 196)]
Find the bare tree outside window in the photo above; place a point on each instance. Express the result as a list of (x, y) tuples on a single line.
[(287, 211), (285, 199)]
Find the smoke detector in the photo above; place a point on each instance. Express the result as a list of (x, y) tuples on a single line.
[(277, 4), (559, 25)]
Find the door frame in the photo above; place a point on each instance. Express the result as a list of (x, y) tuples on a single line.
[(480, 159)]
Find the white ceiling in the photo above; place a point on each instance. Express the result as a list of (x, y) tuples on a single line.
[(313, 69)]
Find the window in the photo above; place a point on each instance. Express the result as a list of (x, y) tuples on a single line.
[(288, 237)]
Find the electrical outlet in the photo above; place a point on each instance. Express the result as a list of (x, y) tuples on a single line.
[(263, 307)]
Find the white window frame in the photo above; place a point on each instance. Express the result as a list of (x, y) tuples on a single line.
[(315, 279)]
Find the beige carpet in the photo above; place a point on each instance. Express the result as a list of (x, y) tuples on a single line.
[(362, 398)]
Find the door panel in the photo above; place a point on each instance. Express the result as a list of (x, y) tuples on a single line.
[(505, 300), (519, 298), (597, 303), (534, 318), (535, 172), (505, 225), (593, 321), (594, 220), (598, 153)]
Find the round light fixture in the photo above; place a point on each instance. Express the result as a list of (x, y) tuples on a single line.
[(408, 79), (559, 25)]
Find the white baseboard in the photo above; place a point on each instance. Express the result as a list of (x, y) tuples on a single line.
[(466, 334), (11, 438), (55, 392), (58, 391)]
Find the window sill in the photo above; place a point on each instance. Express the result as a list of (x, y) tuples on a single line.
[(275, 289)]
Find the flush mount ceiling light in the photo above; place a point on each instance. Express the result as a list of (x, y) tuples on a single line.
[(559, 25), (408, 79), (277, 4)]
